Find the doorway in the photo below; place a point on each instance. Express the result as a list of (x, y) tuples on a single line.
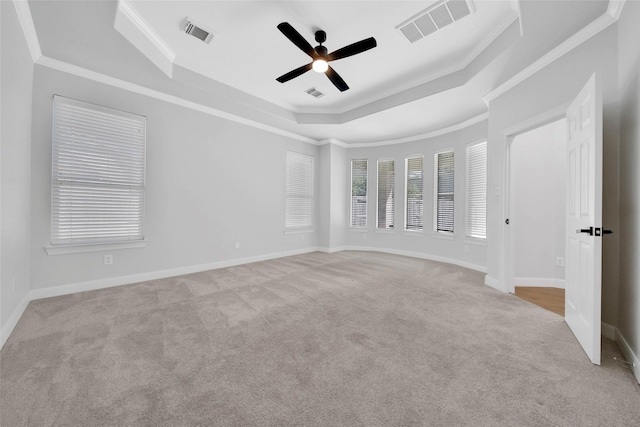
[(537, 205)]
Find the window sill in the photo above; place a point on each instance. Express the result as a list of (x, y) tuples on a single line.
[(474, 241), (298, 230), (416, 233), (443, 236), (359, 230), (93, 247)]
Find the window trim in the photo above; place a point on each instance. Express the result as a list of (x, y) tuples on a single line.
[(99, 244), (366, 197), (406, 199), (467, 235), (302, 228), (435, 192), (393, 189)]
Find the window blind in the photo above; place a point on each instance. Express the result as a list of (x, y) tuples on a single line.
[(476, 197), (298, 190), (414, 191), (386, 177), (444, 191), (359, 193), (98, 174)]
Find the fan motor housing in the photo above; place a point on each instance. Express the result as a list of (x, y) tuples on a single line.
[(321, 51)]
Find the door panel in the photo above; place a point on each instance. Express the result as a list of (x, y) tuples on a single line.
[(583, 279)]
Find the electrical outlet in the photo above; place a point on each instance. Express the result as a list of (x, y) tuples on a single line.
[(466, 249), (237, 245), (559, 261), (108, 259)]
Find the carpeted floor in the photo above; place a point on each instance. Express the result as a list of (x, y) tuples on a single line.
[(345, 339)]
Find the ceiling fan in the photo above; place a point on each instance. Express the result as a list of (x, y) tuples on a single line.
[(320, 56)]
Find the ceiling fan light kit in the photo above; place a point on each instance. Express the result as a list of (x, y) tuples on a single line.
[(320, 55), (320, 65)]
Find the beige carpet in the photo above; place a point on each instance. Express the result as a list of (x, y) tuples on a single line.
[(345, 339)]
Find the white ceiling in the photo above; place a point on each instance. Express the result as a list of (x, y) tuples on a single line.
[(248, 52), (397, 89)]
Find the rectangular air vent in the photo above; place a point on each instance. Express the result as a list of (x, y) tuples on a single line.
[(314, 92), (435, 18), (197, 31)]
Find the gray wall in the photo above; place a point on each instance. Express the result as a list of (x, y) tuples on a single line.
[(549, 88), (428, 243), (537, 214), (629, 231), (210, 183), (15, 152)]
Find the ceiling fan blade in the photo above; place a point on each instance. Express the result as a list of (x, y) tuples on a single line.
[(295, 73), (353, 49), (336, 79), (296, 38)]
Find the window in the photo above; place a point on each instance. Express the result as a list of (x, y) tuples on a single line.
[(98, 174), (299, 191), (476, 202), (414, 191), (386, 186), (444, 191), (358, 193)]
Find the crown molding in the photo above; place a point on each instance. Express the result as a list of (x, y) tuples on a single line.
[(152, 93), (590, 30), (432, 134), (28, 28), (515, 5), (134, 28), (368, 106), (615, 8)]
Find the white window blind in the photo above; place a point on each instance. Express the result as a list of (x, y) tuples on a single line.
[(386, 177), (298, 190), (444, 191), (98, 174), (359, 193), (476, 202), (414, 191)]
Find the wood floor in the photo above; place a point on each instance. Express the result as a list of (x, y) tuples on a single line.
[(550, 298)]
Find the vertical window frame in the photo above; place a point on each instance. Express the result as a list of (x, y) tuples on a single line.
[(436, 193), (406, 194), (304, 193), (102, 173), (392, 195), (366, 196), (468, 202)]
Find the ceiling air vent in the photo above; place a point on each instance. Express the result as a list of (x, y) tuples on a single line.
[(197, 31), (435, 18), (314, 92)]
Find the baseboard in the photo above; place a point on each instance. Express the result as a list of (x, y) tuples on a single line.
[(628, 353), (608, 331), (494, 283), (54, 291), (537, 282), (8, 327), (333, 249), (92, 285), (419, 255)]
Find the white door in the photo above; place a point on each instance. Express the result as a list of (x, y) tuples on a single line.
[(583, 280)]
